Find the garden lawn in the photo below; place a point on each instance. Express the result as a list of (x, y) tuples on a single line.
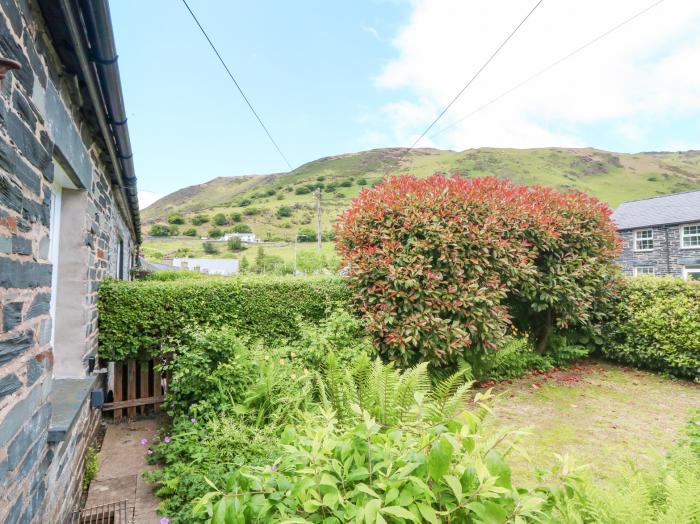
[(602, 414)]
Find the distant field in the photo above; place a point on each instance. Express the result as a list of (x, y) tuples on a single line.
[(278, 206), (155, 249)]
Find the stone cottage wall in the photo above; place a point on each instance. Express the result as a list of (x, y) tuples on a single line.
[(667, 257), (41, 123)]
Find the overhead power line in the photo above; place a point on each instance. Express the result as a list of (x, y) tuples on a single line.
[(493, 55), (218, 55), (549, 67)]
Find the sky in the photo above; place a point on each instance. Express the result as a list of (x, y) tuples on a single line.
[(331, 77)]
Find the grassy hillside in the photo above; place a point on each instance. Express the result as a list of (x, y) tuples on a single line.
[(277, 206)]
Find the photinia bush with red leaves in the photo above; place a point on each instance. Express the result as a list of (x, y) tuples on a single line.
[(442, 267)]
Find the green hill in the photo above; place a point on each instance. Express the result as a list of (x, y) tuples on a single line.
[(277, 206)]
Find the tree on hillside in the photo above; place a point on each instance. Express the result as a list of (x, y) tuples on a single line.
[(159, 230), (236, 217), (176, 218), (220, 219), (200, 219), (215, 233), (209, 248), (242, 228), (235, 244), (191, 232), (306, 234), (284, 212)]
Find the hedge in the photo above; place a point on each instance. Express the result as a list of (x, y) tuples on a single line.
[(137, 317), (657, 326)]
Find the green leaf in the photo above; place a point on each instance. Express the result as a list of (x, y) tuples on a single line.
[(428, 513), (439, 459), (455, 486), (398, 511), (371, 509)]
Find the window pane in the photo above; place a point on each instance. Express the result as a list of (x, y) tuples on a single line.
[(643, 239), (691, 236)]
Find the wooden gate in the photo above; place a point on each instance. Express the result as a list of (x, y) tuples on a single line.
[(138, 389)]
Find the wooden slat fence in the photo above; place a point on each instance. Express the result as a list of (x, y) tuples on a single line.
[(138, 389)]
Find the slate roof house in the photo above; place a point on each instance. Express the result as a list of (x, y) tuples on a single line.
[(661, 235), (68, 218)]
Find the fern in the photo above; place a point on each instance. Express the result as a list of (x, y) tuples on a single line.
[(391, 396)]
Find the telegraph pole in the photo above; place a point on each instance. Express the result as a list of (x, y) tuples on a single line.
[(318, 220)]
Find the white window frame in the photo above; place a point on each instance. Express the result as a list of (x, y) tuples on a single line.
[(635, 240), (638, 274), (683, 246), (688, 270)]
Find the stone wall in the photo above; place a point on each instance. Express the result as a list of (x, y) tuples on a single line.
[(43, 130), (667, 257)]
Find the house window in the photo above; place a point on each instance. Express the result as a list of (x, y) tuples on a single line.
[(644, 270), (644, 240), (690, 236), (691, 273)]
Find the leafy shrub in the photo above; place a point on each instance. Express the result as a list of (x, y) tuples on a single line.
[(236, 217), (251, 211), (306, 234), (361, 181), (215, 233), (235, 244), (159, 230), (176, 218), (657, 326), (220, 219), (340, 333), (517, 357), (419, 473), (242, 228), (191, 232), (90, 467), (440, 267), (198, 220), (137, 317), (209, 248), (284, 212), (174, 274)]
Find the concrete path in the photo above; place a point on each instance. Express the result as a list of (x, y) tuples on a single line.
[(122, 461)]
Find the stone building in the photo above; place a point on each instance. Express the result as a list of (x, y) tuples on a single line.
[(68, 218), (661, 235)]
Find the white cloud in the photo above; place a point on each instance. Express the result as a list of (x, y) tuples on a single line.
[(146, 198), (646, 69)]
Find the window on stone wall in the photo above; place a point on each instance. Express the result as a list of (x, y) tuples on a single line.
[(644, 240), (691, 273), (690, 236), (644, 270)]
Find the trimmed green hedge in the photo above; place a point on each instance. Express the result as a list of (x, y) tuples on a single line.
[(657, 326), (137, 317)]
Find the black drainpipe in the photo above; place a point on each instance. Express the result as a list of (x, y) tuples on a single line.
[(98, 25)]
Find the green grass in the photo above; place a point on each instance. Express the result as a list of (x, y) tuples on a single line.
[(600, 414), (611, 177)]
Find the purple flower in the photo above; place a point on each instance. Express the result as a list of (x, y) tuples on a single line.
[(193, 420), (149, 451), (167, 440), (165, 520), (273, 468), (144, 441)]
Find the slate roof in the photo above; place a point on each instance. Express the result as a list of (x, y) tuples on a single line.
[(669, 209)]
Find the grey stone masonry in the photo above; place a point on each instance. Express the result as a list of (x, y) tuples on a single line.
[(667, 256), (54, 251)]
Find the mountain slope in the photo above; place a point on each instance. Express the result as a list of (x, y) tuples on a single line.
[(612, 177)]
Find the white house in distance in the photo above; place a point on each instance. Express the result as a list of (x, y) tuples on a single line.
[(248, 238), (210, 266)]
